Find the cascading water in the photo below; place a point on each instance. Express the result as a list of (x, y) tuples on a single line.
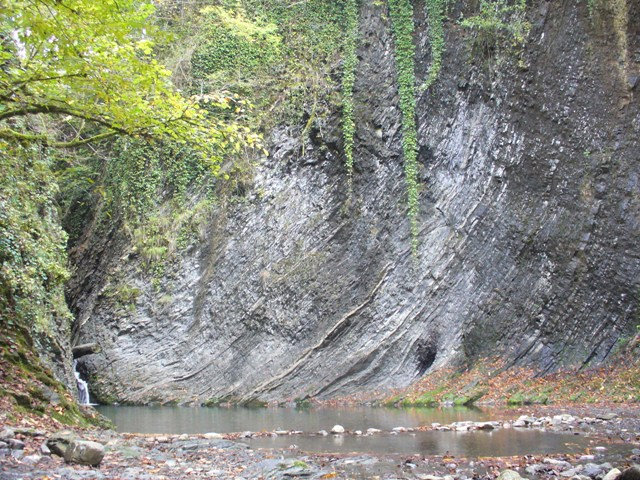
[(83, 388)]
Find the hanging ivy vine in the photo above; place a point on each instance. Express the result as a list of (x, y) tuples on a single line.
[(401, 12), (348, 83), (435, 19)]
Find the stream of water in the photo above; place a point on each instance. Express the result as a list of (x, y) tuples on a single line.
[(500, 442)]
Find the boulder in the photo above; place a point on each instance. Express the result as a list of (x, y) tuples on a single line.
[(337, 429), (6, 434), (631, 473), (84, 453), (58, 442)]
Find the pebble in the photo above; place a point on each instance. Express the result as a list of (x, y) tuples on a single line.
[(612, 475), (557, 463), (32, 459), (509, 475)]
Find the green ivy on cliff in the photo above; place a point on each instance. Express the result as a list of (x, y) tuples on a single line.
[(401, 12), (33, 265), (348, 81), (499, 22), (435, 19)]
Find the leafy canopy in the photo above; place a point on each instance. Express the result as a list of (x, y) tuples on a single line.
[(91, 63)]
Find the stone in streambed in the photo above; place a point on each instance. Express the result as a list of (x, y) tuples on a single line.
[(607, 416), (631, 473), (15, 444), (212, 436), (509, 475), (6, 434), (613, 474), (337, 429), (84, 453), (557, 463), (31, 459), (592, 470)]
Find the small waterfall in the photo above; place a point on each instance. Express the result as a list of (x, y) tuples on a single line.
[(83, 388)]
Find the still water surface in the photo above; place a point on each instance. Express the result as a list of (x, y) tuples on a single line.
[(226, 420), (501, 442)]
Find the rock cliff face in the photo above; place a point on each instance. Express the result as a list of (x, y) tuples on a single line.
[(530, 215)]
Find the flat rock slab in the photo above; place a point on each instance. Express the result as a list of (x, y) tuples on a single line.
[(204, 444)]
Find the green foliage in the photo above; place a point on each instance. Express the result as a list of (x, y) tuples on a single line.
[(234, 45), (32, 244), (435, 18), (498, 22), (348, 82), (401, 12), (92, 62), (283, 53)]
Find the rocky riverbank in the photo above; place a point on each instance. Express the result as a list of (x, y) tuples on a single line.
[(32, 453)]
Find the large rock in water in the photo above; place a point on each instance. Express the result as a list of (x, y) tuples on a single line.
[(84, 453), (528, 221)]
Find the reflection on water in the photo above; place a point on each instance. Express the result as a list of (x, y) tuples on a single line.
[(502, 442), (223, 420)]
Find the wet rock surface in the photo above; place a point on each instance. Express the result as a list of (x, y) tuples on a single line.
[(528, 230)]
